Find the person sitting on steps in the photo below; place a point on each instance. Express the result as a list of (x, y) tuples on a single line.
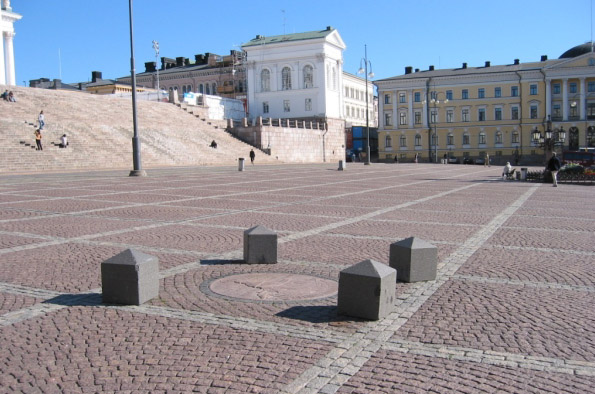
[(214, 144), (38, 139), (63, 141)]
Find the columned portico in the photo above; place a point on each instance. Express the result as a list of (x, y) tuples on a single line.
[(7, 68)]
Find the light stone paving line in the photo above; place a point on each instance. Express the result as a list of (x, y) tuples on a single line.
[(547, 250), (407, 305), (538, 285), (502, 359), (163, 224), (28, 291)]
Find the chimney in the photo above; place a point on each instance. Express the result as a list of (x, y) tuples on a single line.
[(417, 70), (58, 84), (431, 68), (487, 64), (150, 67), (258, 37), (543, 58), (464, 65), (180, 61), (95, 76), (329, 28), (408, 69), (516, 62)]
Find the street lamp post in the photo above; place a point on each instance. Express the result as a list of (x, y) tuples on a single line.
[(137, 169), (364, 70), (156, 48), (550, 139), (434, 120)]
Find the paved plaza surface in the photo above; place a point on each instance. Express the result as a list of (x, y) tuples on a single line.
[(511, 311)]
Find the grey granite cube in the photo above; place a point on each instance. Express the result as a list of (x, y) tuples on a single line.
[(414, 259), (130, 278), (367, 290), (260, 246)]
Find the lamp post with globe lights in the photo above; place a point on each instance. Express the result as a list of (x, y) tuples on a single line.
[(364, 70)]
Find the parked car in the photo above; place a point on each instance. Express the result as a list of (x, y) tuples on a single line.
[(479, 161), (468, 160), (453, 160)]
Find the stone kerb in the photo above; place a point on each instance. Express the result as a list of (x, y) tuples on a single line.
[(260, 246), (414, 259), (130, 278), (367, 290)]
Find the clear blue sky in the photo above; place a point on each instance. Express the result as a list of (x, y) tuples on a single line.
[(80, 36)]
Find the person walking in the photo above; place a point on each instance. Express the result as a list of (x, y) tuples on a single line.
[(41, 120), (415, 160), (554, 166), (487, 161), (38, 139), (252, 156)]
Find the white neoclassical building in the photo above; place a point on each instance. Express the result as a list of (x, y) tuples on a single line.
[(296, 75), (7, 69)]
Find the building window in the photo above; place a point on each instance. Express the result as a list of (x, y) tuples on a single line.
[(286, 78), (265, 107), (514, 91), (417, 140), (433, 116), (388, 142), (308, 103), (556, 88), (591, 87), (481, 115), (388, 119), (434, 140), (497, 92), (286, 106), (308, 77), (514, 112), (591, 111), (532, 90), (201, 88), (498, 139), (449, 94), (515, 137), (346, 91), (573, 111), (481, 93), (450, 139), (572, 87), (534, 112), (465, 94), (387, 99), (214, 88), (417, 118), (590, 137), (402, 98), (556, 111), (450, 115), (465, 139), (417, 97), (403, 141), (402, 118), (465, 115), (482, 138), (498, 114)]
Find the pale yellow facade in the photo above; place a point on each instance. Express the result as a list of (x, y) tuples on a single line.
[(486, 110)]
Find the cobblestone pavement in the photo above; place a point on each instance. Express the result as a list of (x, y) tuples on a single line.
[(511, 310)]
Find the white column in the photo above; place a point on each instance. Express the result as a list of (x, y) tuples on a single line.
[(548, 98), (583, 93), (565, 99), (9, 59), (2, 61), (410, 112)]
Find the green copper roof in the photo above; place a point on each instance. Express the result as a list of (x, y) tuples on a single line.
[(309, 35)]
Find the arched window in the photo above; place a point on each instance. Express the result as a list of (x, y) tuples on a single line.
[(208, 88), (482, 138), (466, 139), (286, 78), (201, 88), (417, 140), (434, 139), (591, 137), (498, 139), (515, 137), (308, 77), (214, 88), (403, 141), (388, 142), (450, 139), (265, 80)]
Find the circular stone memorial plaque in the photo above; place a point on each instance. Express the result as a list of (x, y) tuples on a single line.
[(274, 287)]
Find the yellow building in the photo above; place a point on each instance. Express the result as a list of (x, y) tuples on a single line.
[(469, 112)]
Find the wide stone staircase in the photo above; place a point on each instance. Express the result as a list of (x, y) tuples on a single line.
[(100, 129)]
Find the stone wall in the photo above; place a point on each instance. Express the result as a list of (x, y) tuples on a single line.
[(295, 141)]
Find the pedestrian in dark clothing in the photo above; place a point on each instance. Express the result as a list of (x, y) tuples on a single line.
[(554, 166), (252, 156)]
